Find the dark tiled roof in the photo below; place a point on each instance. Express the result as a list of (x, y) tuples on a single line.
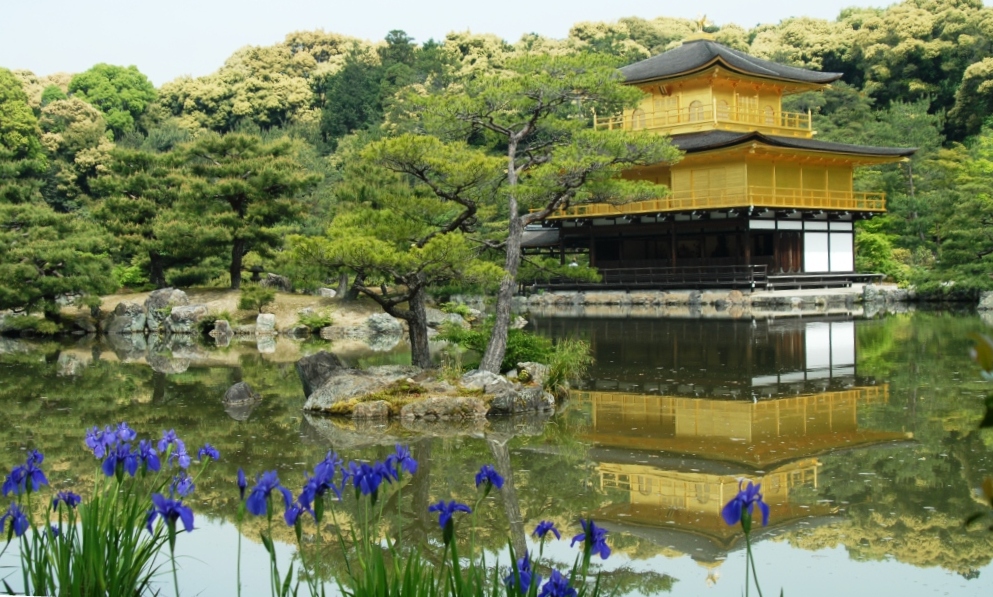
[(718, 139), (545, 237), (697, 54)]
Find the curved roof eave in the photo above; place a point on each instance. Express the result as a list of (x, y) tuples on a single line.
[(698, 55), (695, 142)]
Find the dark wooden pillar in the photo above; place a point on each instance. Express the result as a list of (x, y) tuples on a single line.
[(672, 239)]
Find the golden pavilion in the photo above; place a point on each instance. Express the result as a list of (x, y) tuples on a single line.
[(756, 199)]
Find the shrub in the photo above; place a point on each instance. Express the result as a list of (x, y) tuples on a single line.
[(458, 309), (521, 346), (570, 360), (131, 276), (32, 324), (256, 298), (315, 320), (206, 325)]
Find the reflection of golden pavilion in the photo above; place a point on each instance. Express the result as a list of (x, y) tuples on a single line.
[(757, 434), (691, 501), (680, 459)]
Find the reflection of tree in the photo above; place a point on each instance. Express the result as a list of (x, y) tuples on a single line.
[(508, 495)]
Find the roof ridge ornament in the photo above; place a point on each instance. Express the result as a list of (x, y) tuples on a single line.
[(701, 31)]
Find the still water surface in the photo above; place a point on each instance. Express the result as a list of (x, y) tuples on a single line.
[(862, 433)]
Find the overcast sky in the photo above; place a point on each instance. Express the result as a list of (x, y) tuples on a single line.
[(194, 37)]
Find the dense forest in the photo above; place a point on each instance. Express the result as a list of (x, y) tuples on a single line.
[(304, 157)]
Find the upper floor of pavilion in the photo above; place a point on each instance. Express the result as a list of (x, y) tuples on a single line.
[(704, 86)]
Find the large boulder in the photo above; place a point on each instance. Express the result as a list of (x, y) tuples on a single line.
[(240, 394), (327, 293), (240, 400), (872, 294), (317, 369), (159, 305), (535, 373), (986, 301), (437, 318), (222, 329), (265, 324), (346, 384), (384, 324), (277, 282), (445, 408), (489, 383), (128, 318), (185, 319), (374, 409), (527, 400)]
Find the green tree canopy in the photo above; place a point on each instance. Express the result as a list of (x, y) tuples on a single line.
[(121, 93), (22, 157), (244, 186), (46, 256), (536, 114)]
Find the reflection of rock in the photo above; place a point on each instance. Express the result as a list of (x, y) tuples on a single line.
[(222, 327), (244, 330), (265, 324), (266, 344), (445, 408), (159, 304), (346, 384), (240, 400), (69, 365), (10, 346), (184, 319), (128, 318), (382, 332), (162, 363), (128, 347), (345, 434), (519, 323), (446, 428), (317, 369), (506, 427)]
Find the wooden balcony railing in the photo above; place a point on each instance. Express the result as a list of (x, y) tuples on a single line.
[(701, 115), (752, 196)]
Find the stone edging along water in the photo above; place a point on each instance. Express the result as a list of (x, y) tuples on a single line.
[(733, 304)]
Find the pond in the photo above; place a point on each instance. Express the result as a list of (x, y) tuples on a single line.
[(863, 434)]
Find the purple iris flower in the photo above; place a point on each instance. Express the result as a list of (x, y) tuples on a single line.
[(741, 506), (557, 586), (124, 433), (544, 527), (100, 441), (401, 460), (168, 438), (594, 539), (17, 480), (292, 514), (261, 494), (445, 511), (208, 451), (170, 511), (368, 477), (525, 575), (180, 455), (487, 474), (18, 521), (121, 460), (181, 485), (320, 482), (242, 483), (66, 497), (146, 453)]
